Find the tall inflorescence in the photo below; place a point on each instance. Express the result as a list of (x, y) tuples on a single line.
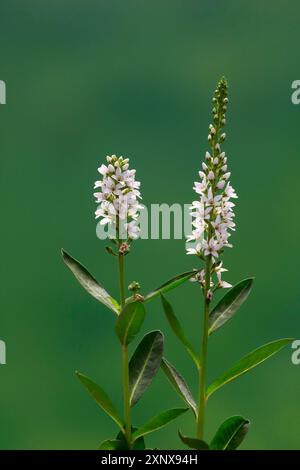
[(212, 214)]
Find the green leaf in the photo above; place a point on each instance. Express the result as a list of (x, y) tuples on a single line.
[(158, 422), (144, 364), (111, 444), (139, 444), (101, 398), (89, 283), (171, 284), (193, 443), (230, 434), (248, 362), (178, 330), (179, 384), (229, 304), (129, 322), (120, 443)]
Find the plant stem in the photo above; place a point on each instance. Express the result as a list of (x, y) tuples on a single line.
[(121, 279), (127, 414), (203, 356), (125, 362)]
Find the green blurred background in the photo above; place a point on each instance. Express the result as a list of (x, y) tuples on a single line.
[(91, 78)]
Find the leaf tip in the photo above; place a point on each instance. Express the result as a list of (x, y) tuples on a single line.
[(64, 254)]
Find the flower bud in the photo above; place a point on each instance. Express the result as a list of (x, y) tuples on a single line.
[(209, 295), (221, 184), (124, 248), (211, 175), (216, 161), (134, 286)]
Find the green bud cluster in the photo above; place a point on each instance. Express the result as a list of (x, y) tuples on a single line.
[(220, 101), (134, 286)]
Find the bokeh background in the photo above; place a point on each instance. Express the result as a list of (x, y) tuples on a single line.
[(91, 78)]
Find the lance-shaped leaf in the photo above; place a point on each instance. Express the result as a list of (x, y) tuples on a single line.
[(171, 284), (247, 363), (230, 434), (144, 364), (111, 444), (120, 443), (179, 384), (101, 398), (193, 443), (129, 322), (89, 283), (158, 422), (229, 304), (178, 330)]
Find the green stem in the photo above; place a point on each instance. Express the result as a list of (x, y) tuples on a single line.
[(126, 396), (203, 356), (121, 280), (215, 139), (125, 362)]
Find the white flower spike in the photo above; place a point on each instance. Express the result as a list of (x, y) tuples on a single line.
[(118, 198), (212, 214)]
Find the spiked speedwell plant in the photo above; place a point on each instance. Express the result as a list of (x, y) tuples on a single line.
[(212, 215), (119, 207)]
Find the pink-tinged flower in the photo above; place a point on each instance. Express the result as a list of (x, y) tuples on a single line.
[(211, 247), (230, 192), (210, 199)]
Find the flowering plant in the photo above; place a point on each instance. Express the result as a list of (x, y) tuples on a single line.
[(118, 198), (212, 220), (119, 207)]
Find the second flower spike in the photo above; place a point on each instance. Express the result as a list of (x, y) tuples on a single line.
[(212, 213)]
